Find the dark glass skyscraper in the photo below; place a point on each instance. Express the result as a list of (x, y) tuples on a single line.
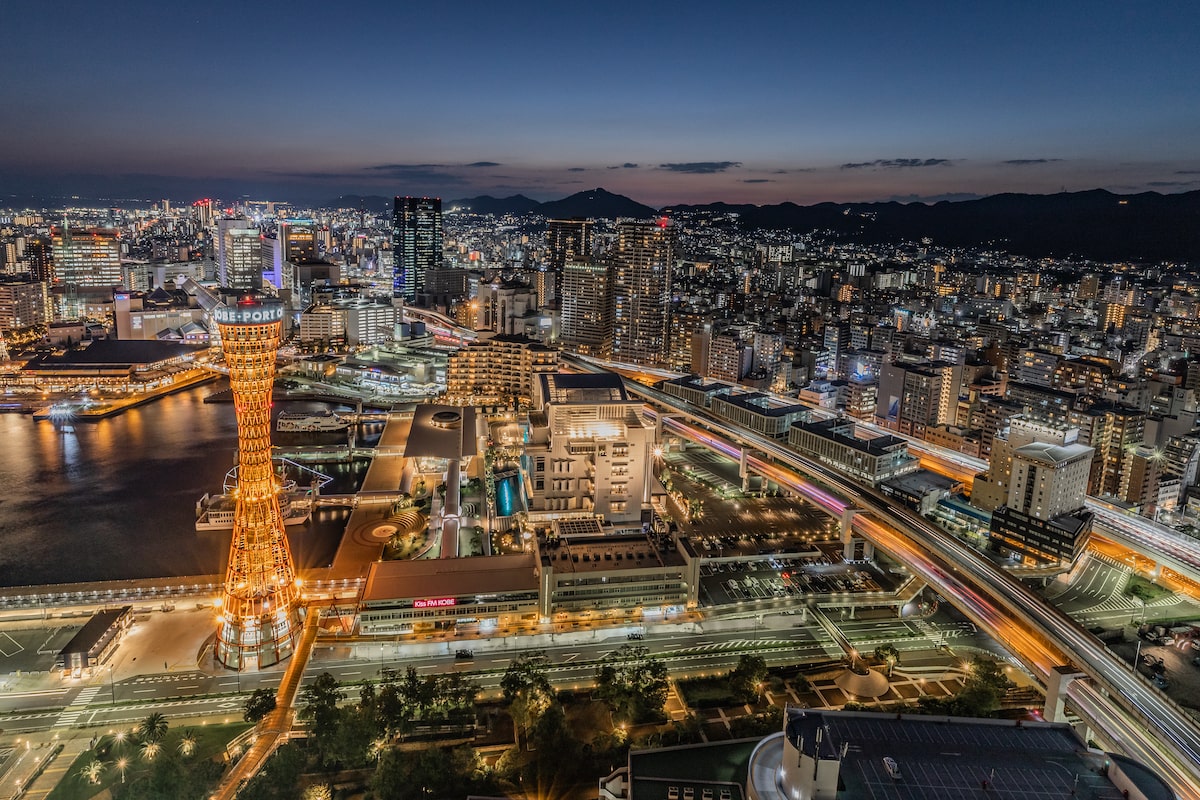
[(568, 241), (416, 244)]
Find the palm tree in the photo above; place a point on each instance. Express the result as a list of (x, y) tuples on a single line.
[(150, 750), (92, 771), (153, 728), (187, 745)]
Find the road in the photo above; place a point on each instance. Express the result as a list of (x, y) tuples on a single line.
[(780, 639), (1042, 636)]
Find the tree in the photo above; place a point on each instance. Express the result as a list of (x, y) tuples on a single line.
[(153, 728), (92, 771), (888, 654), (259, 704), (187, 744), (746, 677), (429, 772), (279, 777), (526, 689), (352, 736), (633, 683), (320, 704)]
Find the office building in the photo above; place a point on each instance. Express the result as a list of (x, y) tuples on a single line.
[(916, 395), (586, 313), (849, 449), (567, 241), (299, 240), (1042, 518), (416, 244), (39, 258), (239, 254), (641, 283), (87, 258)]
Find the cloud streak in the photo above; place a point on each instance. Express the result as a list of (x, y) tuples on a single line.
[(700, 167), (1024, 162), (898, 163)]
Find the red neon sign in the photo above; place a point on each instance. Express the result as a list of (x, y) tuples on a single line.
[(435, 602)]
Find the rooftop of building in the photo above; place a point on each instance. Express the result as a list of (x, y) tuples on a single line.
[(922, 482), (1052, 454), (715, 765), (513, 339), (608, 551), (563, 388), (760, 403), (450, 577), (836, 430), (696, 382), (946, 758), (441, 431), (112, 353)]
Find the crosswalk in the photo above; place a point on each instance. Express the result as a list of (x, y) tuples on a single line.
[(71, 713)]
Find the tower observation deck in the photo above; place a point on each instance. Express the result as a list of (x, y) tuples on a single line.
[(259, 613)]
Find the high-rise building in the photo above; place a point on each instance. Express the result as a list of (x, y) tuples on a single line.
[(641, 291), (38, 256), (259, 617), (298, 238), (585, 310), (1043, 519), (87, 257), (239, 254), (914, 396), (567, 241), (24, 305), (416, 244)]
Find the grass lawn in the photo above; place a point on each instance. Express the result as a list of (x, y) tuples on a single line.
[(1145, 590), (210, 742), (707, 692)]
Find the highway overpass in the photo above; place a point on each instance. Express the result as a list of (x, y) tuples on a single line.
[(1126, 710)]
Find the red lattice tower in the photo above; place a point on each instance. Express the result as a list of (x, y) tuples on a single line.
[(259, 617)]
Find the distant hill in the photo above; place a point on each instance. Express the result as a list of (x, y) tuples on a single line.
[(1095, 224), (486, 204), (371, 202), (595, 203), (598, 203)]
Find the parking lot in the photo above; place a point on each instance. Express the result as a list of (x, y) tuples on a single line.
[(800, 577)]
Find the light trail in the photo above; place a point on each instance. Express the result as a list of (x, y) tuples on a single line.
[(1042, 636)]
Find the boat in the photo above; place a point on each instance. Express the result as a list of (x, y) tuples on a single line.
[(311, 423), (216, 512)]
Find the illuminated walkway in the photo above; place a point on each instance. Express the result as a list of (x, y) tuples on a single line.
[(275, 728)]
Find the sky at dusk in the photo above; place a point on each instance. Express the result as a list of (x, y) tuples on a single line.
[(665, 102)]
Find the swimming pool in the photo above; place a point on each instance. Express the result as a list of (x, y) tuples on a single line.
[(508, 495)]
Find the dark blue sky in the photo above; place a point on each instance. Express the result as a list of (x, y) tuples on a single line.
[(666, 102)]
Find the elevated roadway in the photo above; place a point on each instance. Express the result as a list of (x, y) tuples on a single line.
[(1125, 709), (1165, 546)]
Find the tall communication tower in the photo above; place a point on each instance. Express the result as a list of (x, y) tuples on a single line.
[(259, 614)]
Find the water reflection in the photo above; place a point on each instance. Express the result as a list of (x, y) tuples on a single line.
[(116, 499)]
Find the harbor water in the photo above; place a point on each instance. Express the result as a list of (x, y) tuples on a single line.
[(115, 499)]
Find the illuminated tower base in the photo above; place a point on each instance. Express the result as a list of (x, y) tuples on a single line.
[(259, 613)]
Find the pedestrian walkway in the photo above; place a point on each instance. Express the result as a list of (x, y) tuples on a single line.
[(274, 728), (56, 769), (72, 712)]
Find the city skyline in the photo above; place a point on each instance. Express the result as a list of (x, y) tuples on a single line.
[(665, 104)]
